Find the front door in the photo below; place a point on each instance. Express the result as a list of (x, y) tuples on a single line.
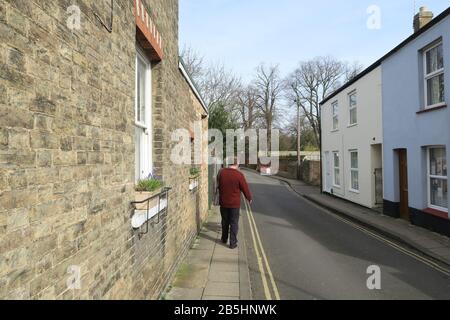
[(403, 177)]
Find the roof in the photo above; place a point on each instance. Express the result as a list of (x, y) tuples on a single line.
[(372, 67), (192, 84)]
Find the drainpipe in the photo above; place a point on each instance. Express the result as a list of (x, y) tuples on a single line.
[(320, 150)]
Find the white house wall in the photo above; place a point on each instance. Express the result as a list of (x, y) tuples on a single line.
[(361, 137)]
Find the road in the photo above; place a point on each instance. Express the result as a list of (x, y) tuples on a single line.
[(297, 250)]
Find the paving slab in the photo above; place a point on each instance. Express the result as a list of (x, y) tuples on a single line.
[(185, 294), (225, 276), (222, 289), (218, 267), (212, 298)]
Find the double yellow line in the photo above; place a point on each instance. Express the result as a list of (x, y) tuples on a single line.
[(392, 244), (267, 278)]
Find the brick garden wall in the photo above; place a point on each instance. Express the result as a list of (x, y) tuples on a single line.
[(67, 153)]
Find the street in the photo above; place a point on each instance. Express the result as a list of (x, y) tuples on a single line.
[(306, 252)]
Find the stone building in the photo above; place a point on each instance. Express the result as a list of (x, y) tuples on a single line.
[(89, 97)]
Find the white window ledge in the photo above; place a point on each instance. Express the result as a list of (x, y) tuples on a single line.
[(140, 216)]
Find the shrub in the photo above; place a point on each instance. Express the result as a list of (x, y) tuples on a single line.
[(194, 171), (148, 185)]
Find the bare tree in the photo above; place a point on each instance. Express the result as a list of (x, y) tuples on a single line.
[(269, 88), (220, 85), (248, 107), (311, 83), (353, 70), (216, 84), (194, 63)]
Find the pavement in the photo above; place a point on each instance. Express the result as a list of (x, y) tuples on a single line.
[(433, 245), (211, 270), (313, 253)]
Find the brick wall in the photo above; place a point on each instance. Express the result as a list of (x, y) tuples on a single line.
[(67, 153)]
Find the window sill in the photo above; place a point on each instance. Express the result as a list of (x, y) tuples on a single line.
[(354, 191), (335, 130), (437, 213), (432, 108), (352, 125)]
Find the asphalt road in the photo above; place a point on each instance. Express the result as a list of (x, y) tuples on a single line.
[(312, 254)]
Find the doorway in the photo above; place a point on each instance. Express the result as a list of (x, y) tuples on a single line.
[(403, 184)]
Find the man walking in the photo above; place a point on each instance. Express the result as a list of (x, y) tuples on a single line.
[(231, 183)]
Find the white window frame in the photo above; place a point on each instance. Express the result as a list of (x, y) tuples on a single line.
[(354, 170), (351, 108), (338, 168), (335, 115), (146, 151), (427, 77), (430, 176)]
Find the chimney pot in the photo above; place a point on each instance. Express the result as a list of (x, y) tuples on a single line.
[(422, 18)]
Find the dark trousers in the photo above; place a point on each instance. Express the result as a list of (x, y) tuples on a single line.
[(230, 225)]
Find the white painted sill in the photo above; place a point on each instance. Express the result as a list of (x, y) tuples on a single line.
[(437, 105), (140, 216)]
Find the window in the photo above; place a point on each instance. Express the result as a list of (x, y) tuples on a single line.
[(337, 171), (437, 178), (335, 108), (353, 108), (434, 76), (143, 150), (354, 171)]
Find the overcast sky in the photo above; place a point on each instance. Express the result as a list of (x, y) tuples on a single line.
[(243, 33)]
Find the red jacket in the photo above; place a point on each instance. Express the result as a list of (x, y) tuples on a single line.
[(231, 183)]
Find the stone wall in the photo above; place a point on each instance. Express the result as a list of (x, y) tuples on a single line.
[(67, 153), (309, 171)]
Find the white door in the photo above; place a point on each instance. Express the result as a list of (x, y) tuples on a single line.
[(328, 176), (143, 134)]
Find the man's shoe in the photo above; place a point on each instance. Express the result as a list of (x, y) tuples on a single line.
[(233, 247), (224, 241)]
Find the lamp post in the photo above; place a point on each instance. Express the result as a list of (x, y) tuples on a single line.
[(299, 127)]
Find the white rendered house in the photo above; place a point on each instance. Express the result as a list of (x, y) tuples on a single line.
[(352, 138)]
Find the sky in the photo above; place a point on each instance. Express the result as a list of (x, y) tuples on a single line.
[(244, 33)]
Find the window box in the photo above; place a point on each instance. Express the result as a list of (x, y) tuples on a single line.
[(141, 197), (194, 183), (147, 205)]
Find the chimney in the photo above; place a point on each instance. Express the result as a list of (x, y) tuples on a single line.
[(422, 18)]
